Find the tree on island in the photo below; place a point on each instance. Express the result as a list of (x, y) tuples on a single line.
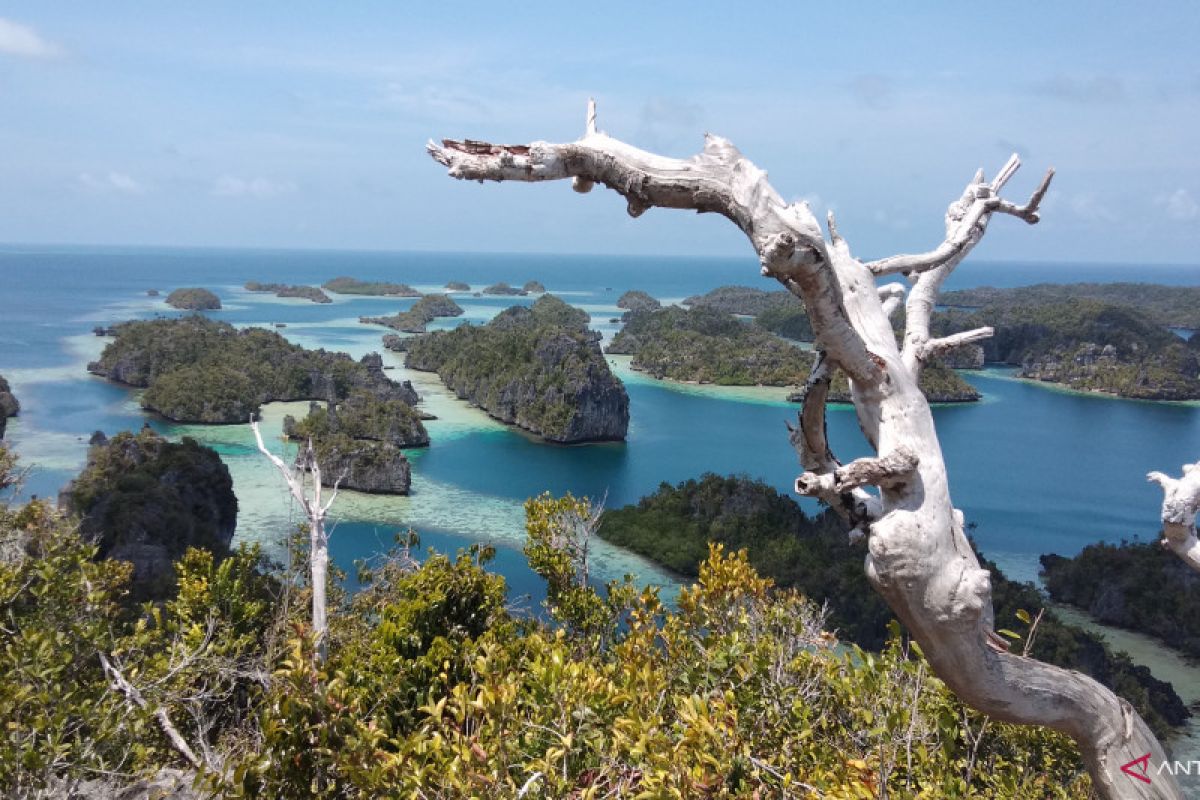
[(919, 558)]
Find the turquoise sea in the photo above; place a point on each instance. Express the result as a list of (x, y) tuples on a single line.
[(1036, 469)]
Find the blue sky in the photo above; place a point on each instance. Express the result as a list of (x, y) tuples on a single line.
[(303, 124)]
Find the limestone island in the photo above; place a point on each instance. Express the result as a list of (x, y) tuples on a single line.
[(358, 442), (707, 345), (1086, 344), (536, 367), (9, 407), (636, 300), (533, 287), (424, 311), (286, 290), (458, 286), (194, 299), (152, 292), (145, 500), (345, 285), (505, 290)]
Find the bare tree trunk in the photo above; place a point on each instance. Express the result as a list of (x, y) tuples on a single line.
[(1181, 501), (919, 557), (315, 511)]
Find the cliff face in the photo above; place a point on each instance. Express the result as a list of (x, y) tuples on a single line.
[(9, 407), (145, 500), (538, 368), (361, 465)]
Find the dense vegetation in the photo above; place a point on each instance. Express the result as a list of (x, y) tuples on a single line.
[(347, 285), (742, 300), (424, 311), (503, 288), (1087, 345), (9, 407), (1166, 306), (194, 299), (707, 345), (286, 290), (533, 287), (536, 367), (145, 500), (1140, 586), (199, 370), (431, 688), (675, 526), (458, 286), (637, 300)]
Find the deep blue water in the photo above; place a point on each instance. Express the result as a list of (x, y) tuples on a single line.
[(1038, 470)]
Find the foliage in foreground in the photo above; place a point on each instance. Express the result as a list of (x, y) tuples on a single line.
[(433, 688)]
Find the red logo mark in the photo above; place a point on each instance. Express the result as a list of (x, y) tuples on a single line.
[(1138, 768)]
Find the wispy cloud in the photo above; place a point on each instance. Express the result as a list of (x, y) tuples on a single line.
[(1096, 89), (872, 90), (21, 40), (111, 182), (1089, 208), (233, 186), (1179, 205)]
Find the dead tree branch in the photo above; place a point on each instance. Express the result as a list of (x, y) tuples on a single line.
[(1181, 502)]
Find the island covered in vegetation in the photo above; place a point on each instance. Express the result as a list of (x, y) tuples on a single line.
[(145, 500), (1167, 306), (536, 367), (458, 286), (194, 299), (348, 285), (533, 287), (1085, 344), (9, 407), (287, 290), (675, 525), (358, 442), (504, 290), (705, 344), (424, 311), (199, 370), (1139, 586), (637, 300)]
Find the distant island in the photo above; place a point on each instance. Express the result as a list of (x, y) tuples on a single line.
[(636, 300), (537, 367), (674, 525), (533, 287), (503, 289), (199, 370), (743, 300), (145, 500), (1168, 306), (424, 311), (9, 407), (194, 299), (286, 290), (347, 285), (458, 286), (358, 441), (1140, 586), (1085, 344), (705, 344)]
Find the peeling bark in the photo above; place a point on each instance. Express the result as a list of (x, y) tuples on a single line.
[(1181, 502), (919, 557)]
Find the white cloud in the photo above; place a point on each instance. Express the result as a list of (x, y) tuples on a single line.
[(232, 186), (111, 181), (1089, 208), (1179, 205), (21, 40)]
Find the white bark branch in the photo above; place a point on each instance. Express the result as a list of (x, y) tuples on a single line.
[(318, 538), (892, 295), (937, 347), (1181, 502), (920, 560), (134, 696)]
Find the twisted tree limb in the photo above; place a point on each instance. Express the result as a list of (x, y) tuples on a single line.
[(134, 696), (919, 558), (1181, 502)]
